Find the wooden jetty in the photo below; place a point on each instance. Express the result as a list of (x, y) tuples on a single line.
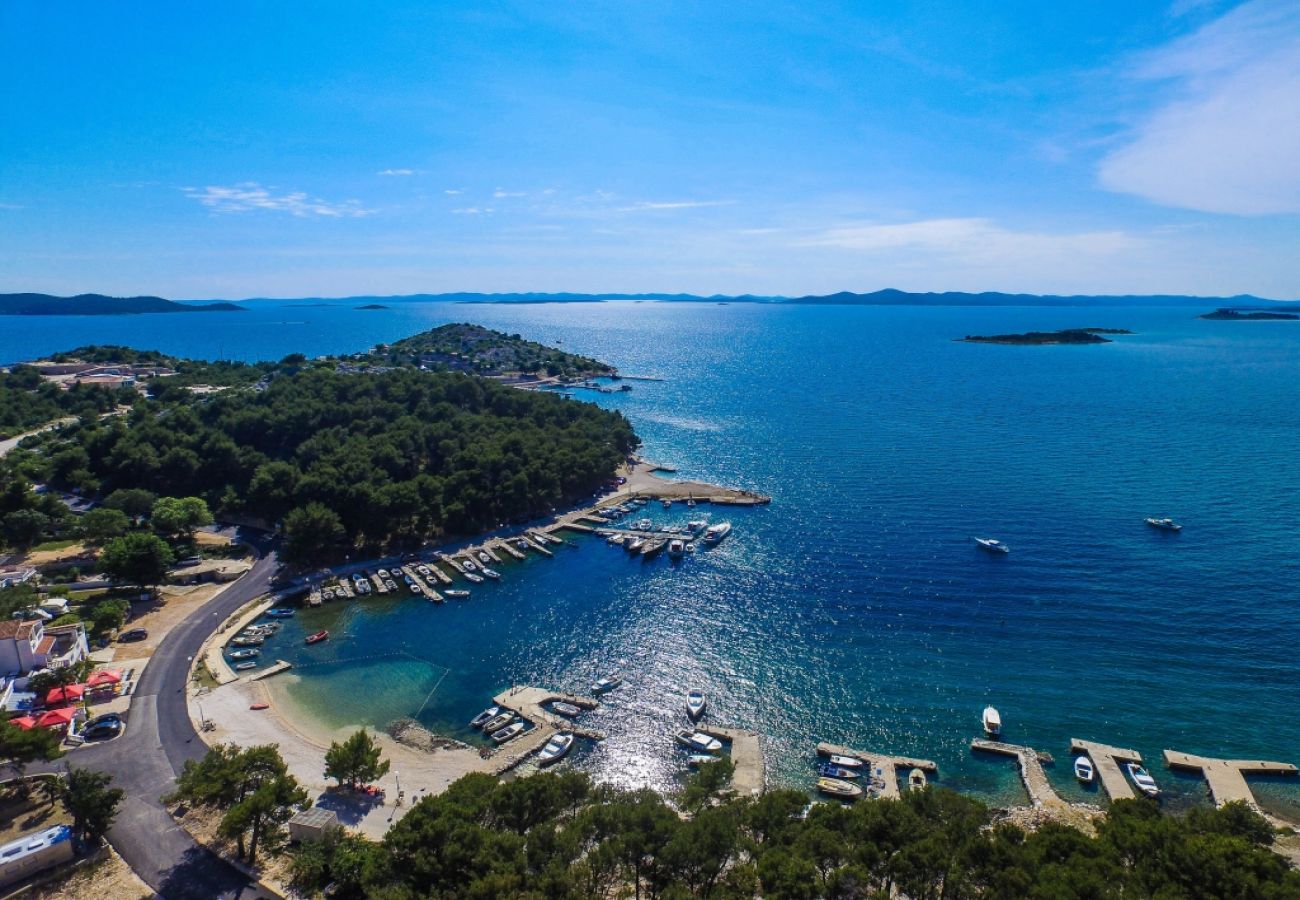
[(274, 669), (511, 549), (750, 776), (492, 554), (578, 526), (378, 582), (532, 542), (1040, 790), (1226, 777), (1106, 760), (884, 767), (440, 574), (546, 537)]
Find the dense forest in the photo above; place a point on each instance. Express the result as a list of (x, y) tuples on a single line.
[(559, 836), (28, 401)]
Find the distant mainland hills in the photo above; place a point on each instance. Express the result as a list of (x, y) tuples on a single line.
[(101, 305)]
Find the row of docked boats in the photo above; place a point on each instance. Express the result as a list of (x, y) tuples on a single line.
[(502, 726), (993, 545)]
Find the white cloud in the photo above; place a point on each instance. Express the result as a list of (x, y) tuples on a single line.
[(249, 195), (500, 193), (474, 211), (396, 172), (1227, 139), (675, 204), (452, 192)]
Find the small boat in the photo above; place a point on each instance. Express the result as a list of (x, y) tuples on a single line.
[(491, 573), (501, 720), (715, 533), (555, 749), (244, 654), (483, 557), (916, 780), (1164, 524), (423, 570), (383, 573), (695, 760), (698, 741), (390, 585), (566, 709), (851, 762), (827, 770), (653, 547), (472, 578), (992, 545), (695, 704), (676, 548), (260, 706), (667, 504), (456, 595), (616, 539), (280, 612), (510, 732), (1083, 769), (690, 548), (468, 565), (690, 501), (484, 717), (521, 544), (607, 683), (317, 637), (245, 666), (992, 722), (328, 594), (696, 525), (249, 640), (836, 788), (1142, 778), (635, 545)]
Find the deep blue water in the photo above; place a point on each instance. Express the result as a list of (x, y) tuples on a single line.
[(855, 608)]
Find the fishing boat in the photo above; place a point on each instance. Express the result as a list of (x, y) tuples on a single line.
[(992, 545), (1164, 524), (555, 749), (1142, 778), (653, 547), (491, 573), (1083, 769), (483, 557), (472, 578), (836, 788), (280, 612), (390, 585), (566, 709), (317, 637), (851, 762), (827, 770), (244, 654), (484, 717), (695, 760), (992, 722), (607, 683), (676, 548), (499, 721), (616, 539), (510, 732), (666, 503), (468, 565), (695, 704), (690, 501), (715, 533), (245, 666), (916, 780), (521, 544), (696, 525), (456, 595), (698, 741), (635, 545), (249, 640)]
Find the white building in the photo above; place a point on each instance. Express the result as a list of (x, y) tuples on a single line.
[(28, 645), (33, 852)]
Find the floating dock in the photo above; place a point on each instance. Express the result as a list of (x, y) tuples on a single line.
[(1040, 790), (1226, 777), (884, 767), (1106, 760), (750, 776), (274, 669)]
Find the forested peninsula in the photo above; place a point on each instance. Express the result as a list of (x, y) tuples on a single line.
[(100, 305), (344, 456)]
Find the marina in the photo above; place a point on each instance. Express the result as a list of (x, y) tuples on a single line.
[(1226, 778), (750, 776), (881, 767), (1106, 761)]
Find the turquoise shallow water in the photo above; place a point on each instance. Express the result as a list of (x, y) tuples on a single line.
[(855, 608)]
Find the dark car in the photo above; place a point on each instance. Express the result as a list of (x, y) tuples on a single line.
[(133, 634), (102, 730)]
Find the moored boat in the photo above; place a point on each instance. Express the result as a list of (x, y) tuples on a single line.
[(473, 578), (715, 533), (607, 683), (280, 612), (555, 749), (245, 666), (317, 637), (836, 788), (498, 722), (244, 654), (635, 545), (916, 780), (566, 709), (695, 760), (483, 557), (455, 594), (697, 741), (653, 547), (1083, 769), (491, 573), (851, 762), (510, 732), (249, 640), (676, 548), (484, 717), (1164, 524), (829, 770), (992, 545), (695, 704), (992, 722), (1142, 778)]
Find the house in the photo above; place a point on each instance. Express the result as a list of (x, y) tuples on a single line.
[(33, 852), (55, 606), (16, 576), (312, 824), (29, 645)]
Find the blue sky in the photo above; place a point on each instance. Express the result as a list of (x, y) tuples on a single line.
[(293, 149)]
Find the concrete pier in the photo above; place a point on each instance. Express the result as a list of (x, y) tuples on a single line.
[(884, 768), (492, 554), (440, 574), (527, 702), (750, 776), (1106, 760), (532, 542), (1040, 790), (511, 549), (1226, 777), (275, 669)]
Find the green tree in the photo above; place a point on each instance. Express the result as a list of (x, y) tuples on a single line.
[(135, 502), (91, 803), (356, 761), (24, 527), (260, 816), (19, 746), (136, 558), (311, 534), (101, 524), (177, 516)]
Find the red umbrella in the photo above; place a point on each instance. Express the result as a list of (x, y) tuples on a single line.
[(24, 723), (68, 694), (104, 678), (56, 718)]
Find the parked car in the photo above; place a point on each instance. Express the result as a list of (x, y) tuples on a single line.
[(189, 561), (133, 634), (102, 729)]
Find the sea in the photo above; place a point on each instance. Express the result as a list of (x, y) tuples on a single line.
[(856, 607)]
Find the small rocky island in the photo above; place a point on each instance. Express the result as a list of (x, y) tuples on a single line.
[(1065, 336), (374, 306), (1227, 314)]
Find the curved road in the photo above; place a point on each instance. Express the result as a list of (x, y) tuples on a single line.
[(158, 740)]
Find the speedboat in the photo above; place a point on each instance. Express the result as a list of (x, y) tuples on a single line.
[(484, 717), (1142, 778), (244, 654), (667, 504), (1083, 769), (280, 612), (607, 683), (635, 545), (555, 749), (500, 720), (456, 595), (992, 545), (851, 762), (473, 578), (510, 732), (715, 533), (676, 548), (696, 525), (1164, 524), (827, 770), (468, 565), (653, 547), (992, 722), (616, 539), (916, 780), (317, 637), (491, 573), (249, 640), (521, 544), (836, 788), (390, 585), (695, 704), (566, 709), (245, 666), (695, 760), (698, 741)]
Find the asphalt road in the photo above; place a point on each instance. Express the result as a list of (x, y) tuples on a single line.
[(158, 740)]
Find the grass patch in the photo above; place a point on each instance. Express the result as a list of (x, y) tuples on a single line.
[(203, 676), (49, 546)]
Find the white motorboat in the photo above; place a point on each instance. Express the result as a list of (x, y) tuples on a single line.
[(695, 704), (1083, 769), (916, 780), (245, 654), (456, 595), (992, 545), (992, 722), (851, 762), (510, 732), (1142, 778), (485, 716), (695, 760), (566, 709), (635, 545), (501, 720), (555, 749), (696, 525), (483, 557), (473, 578), (616, 539), (715, 533), (698, 741), (607, 683), (468, 565), (1164, 524), (676, 548), (491, 573), (836, 788)]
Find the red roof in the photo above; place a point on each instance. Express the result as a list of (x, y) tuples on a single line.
[(46, 645), (25, 722), (55, 718), (12, 628), (104, 678), (67, 694)]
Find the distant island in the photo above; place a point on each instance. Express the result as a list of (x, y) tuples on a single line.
[(100, 305), (374, 306), (1065, 336), (482, 351), (1227, 314)]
